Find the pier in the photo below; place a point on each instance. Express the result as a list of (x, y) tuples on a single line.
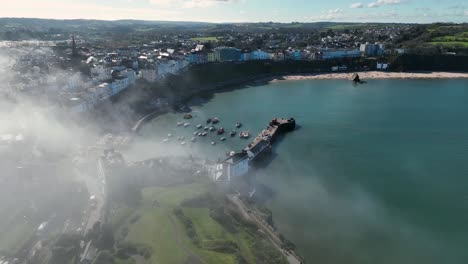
[(237, 164), (264, 140)]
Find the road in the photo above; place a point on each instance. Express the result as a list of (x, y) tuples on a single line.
[(94, 178), (272, 236)]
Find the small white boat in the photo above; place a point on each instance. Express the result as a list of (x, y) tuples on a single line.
[(199, 134), (213, 143), (183, 143), (244, 134), (223, 138), (169, 135), (186, 124), (206, 128), (232, 153), (193, 139), (204, 134), (179, 123), (165, 140), (199, 126), (212, 129), (195, 133)]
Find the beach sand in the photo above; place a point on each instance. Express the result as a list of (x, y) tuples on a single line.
[(377, 75)]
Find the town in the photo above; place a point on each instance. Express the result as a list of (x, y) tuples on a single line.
[(87, 72)]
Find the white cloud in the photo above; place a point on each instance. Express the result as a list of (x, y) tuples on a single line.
[(383, 2), (205, 3), (356, 5), (189, 3), (161, 2), (335, 11)]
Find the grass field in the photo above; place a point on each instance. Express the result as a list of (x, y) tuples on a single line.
[(154, 224), (15, 237), (459, 39), (450, 43), (206, 39)]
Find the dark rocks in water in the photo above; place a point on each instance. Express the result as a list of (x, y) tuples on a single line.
[(356, 78)]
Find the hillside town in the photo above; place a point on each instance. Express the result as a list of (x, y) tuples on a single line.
[(113, 70)]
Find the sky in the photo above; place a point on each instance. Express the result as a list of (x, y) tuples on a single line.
[(417, 11)]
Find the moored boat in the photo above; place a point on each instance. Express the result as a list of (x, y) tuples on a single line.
[(212, 128), (215, 120), (188, 116), (223, 139), (233, 133), (244, 134), (199, 126), (238, 124), (186, 124), (220, 131), (213, 143), (209, 120), (179, 123), (204, 134)]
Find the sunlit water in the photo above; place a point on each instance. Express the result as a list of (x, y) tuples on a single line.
[(376, 173)]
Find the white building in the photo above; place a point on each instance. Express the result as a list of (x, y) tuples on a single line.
[(235, 166)]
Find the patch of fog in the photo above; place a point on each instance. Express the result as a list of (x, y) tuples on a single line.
[(336, 225)]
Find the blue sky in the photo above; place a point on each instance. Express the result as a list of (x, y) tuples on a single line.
[(419, 11)]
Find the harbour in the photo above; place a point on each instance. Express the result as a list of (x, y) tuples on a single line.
[(357, 147)]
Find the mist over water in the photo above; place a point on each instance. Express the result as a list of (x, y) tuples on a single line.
[(376, 173)]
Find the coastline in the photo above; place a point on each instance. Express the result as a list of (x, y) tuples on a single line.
[(267, 78), (376, 75)]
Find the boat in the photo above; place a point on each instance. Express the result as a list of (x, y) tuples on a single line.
[(199, 134), (193, 139), (220, 131), (183, 143), (244, 134), (195, 133), (223, 139), (204, 134), (215, 120), (186, 124), (169, 135), (238, 124), (179, 123), (165, 140), (232, 153), (209, 120), (199, 126), (206, 128), (188, 116), (213, 143), (212, 128), (233, 133)]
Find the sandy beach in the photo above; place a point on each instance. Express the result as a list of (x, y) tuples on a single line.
[(379, 75)]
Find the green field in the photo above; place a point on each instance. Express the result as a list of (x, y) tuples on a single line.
[(449, 44), (154, 224), (458, 39), (206, 39)]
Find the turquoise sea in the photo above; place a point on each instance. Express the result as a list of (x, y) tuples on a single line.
[(376, 173)]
